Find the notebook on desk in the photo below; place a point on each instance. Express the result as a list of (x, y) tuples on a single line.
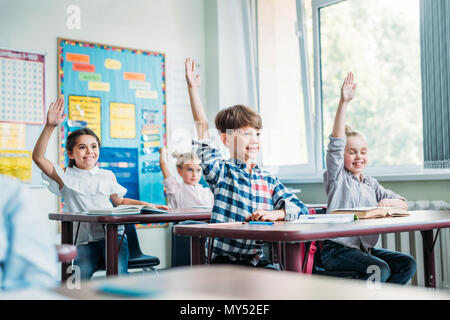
[(126, 209), (373, 212)]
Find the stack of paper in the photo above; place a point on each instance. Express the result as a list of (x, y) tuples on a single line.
[(126, 209)]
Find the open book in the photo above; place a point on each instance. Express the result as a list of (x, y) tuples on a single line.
[(326, 218), (373, 212), (126, 209)]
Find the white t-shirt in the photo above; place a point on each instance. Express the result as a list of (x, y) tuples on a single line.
[(85, 190), (182, 195)]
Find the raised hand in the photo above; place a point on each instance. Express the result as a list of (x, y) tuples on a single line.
[(163, 155), (55, 114), (193, 80), (348, 88)]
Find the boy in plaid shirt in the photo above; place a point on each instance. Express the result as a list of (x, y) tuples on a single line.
[(242, 191)]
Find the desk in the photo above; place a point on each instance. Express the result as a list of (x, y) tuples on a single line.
[(292, 234), (219, 282), (112, 221)]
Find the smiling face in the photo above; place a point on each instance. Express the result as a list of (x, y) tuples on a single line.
[(243, 143), (190, 172), (85, 152), (356, 155)]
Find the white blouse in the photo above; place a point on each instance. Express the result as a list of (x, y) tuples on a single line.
[(182, 195), (85, 190)]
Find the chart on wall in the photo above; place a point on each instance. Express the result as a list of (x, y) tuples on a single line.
[(119, 93), (22, 111)]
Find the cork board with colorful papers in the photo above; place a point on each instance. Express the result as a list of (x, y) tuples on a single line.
[(119, 93)]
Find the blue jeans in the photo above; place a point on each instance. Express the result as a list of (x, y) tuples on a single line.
[(91, 257), (394, 267)]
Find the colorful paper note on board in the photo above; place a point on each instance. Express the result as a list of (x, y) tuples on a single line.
[(146, 94), (122, 120), (16, 164), (12, 136), (113, 64), (98, 86), (86, 109), (134, 76), (76, 57)]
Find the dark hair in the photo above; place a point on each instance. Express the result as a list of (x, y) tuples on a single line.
[(72, 140), (236, 117)]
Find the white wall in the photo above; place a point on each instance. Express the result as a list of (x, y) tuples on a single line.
[(174, 27)]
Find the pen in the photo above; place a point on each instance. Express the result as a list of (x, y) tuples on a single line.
[(260, 222)]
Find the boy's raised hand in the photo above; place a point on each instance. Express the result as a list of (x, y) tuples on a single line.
[(193, 80), (55, 114), (348, 88)]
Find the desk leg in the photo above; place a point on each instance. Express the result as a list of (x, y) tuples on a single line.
[(293, 257), (428, 258), (111, 252), (66, 238), (197, 250)]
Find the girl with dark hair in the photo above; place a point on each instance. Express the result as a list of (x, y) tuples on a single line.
[(84, 187)]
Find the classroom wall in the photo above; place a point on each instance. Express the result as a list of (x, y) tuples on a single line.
[(174, 27)]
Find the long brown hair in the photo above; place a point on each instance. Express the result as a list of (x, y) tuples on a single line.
[(72, 141)]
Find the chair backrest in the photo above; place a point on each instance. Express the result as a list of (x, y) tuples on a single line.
[(133, 242)]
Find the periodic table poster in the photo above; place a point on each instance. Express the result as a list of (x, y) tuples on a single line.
[(119, 93), (22, 110)]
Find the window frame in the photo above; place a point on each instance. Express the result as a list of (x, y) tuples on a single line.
[(313, 172)]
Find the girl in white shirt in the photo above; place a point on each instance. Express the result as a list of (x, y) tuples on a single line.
[(83, 186), (190, 193)]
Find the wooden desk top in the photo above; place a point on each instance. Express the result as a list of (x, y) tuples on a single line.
[(285, 231), (218, 282), (173, 215)]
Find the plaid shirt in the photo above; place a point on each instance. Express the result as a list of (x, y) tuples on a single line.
[(237, 194)]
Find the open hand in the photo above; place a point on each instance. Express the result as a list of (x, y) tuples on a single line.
[(348, 88), (161, 206), (193, 80), (55, 114), (263, 215)]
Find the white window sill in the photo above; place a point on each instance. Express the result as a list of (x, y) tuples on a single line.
[(421, 175)]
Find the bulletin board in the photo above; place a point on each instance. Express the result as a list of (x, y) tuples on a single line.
[(119, 93), (22, 112)]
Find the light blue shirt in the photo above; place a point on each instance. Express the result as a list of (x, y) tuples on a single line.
[(27, 254)]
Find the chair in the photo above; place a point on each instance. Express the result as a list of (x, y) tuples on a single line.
[(318, 267), (137, 259), (66, 252)]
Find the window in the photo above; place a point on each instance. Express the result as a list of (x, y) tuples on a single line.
[(379, 41), (302, 66), (286, 138)]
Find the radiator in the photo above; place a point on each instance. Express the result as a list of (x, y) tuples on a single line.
[(411, 243)]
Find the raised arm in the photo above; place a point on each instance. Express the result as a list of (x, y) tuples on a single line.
[(55, 117), (193, 83), (347, 92), (163, 162)]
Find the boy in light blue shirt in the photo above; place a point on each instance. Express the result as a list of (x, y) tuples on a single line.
[(27, 255)]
